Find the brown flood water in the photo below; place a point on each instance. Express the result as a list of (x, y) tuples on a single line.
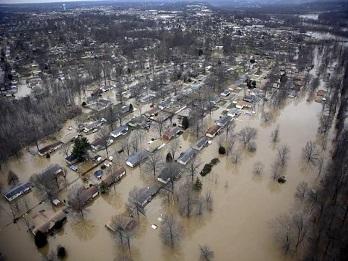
[(239, 228)]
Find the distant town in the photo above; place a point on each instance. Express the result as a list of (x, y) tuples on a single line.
[(173, 131)]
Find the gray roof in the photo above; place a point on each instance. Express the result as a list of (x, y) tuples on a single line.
[(137, 157), (187, 156), (200, 143)]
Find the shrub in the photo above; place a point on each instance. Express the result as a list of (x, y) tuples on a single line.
[(169, 157), (206, 169), (61, 252), (251, 147), (185, 123), (197, 185), (222, 150), (103, 188), (40, 239), (214, 161)]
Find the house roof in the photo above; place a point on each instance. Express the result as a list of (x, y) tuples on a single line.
[(18, 191), (45, 220), (187, 156), (87, 193), (200, 143), (111, 177), (119, 130), (223, 120), (137, 157), (213, 129), (53, 170)]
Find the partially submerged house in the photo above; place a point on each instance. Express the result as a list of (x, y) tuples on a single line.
[(120, 131), (124, 222), (113, 176), (223, 121), (99, 143), (213, 131), (201, 143), (50, 148), (139, 122), (155, 145), (166, 175), (46, 221), (188, 155), (234, 112), (87, 194), (137, 158), (18, 191), (145, 195), (171, 133)]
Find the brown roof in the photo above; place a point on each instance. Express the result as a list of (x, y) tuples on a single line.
[(114, 176), (45, 220), (87, 194), (213, 129)]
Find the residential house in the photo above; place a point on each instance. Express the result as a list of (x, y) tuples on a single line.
[(201, 143), (213, 131), (223, 121), (120, 131), (18, 191), (165, 176), (46, 221), (188, 155), (234, 112), (171, 133), (88, 194), (113, 176), (137, 158), (155, 145), (145, 195), (50, 148)]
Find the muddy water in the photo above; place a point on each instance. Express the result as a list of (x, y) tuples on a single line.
[(239, 228)]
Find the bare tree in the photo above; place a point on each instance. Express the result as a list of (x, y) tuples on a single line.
[(301, 191), (159, 127), (276, 169), (75, 199), (12, 178), (283, 155), (230, 143), (192, 167), (134, 201), (174, 146), (258, 168), (47, 183), (154, 163), (172, 170), (283, 234), (104, 136), (206, 254), (136, 139), (230, 126), (209, 201), (275, 135), (235, 157), (247, 134), (125, 229), (186, 199), (310, 153), (171, 231)]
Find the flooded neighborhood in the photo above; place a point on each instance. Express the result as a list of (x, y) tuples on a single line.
[(173, 131)]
